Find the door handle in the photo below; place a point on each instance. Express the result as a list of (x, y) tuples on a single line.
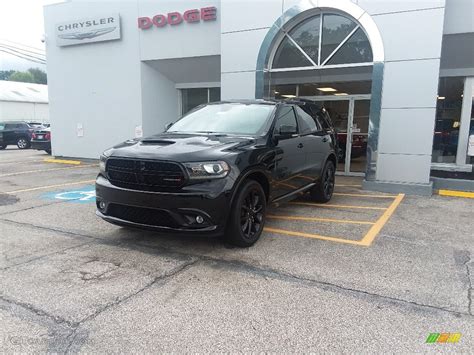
[(300, 145)]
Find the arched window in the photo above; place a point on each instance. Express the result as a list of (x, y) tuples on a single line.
[(324, 40)]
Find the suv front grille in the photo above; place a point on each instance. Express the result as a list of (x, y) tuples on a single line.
[(147, 216), (145, 175)]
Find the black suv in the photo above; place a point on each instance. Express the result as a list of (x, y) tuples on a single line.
[(18, 133), (215, 170)]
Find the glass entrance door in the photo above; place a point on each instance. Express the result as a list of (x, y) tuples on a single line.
[(350, 116)]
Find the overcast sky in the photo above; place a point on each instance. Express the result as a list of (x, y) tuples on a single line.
[(21, 21)]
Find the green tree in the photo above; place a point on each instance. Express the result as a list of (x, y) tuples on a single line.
[(39, 76), (5, 74), (24, 77)]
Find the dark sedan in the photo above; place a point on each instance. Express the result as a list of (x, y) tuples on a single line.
[(41, 140)]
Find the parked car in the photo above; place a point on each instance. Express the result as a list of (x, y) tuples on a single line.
[(15, 132), (215, 170), (41, 140)]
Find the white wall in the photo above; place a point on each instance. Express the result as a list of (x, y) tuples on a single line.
[(24, 111), (96, 85), (459, 16), (179, 41), (159, 100)]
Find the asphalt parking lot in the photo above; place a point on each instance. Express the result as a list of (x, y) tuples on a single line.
[(368, 272)]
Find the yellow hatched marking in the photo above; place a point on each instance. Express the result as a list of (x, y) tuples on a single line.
[(315, 219), (338, 206), (377, 227), (312, 236), (362, 195)]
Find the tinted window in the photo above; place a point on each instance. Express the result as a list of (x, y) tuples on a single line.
[(307, 123), (231, 118), (286, 117), (10, 126)]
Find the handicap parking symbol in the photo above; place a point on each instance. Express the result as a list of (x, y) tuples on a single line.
[(83, 195)]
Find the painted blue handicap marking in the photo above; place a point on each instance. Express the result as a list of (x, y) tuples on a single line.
[(83, 195)]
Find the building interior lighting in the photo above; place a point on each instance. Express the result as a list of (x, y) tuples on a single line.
[(341, 94), (327, 89), (441, 97), (289, 96)]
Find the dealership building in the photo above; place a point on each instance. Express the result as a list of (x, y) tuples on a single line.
[(397, 77)]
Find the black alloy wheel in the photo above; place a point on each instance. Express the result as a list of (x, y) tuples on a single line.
[(247, 217), (324, 190)]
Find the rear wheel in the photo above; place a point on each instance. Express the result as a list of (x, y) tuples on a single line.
[(2, 147), (48, 151), (22, 143), (247, 216), (323, 191)]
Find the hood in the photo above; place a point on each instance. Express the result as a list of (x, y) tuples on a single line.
[(181, 147)]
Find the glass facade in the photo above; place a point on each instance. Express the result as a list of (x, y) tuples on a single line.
[(192, 98), (448, 120), (342, 41)]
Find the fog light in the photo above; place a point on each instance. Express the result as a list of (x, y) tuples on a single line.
[(199, 219), (102, 205)]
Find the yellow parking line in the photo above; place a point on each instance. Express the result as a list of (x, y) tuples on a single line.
[(51, 186), (46, 170), (338, 206), (60, 161), (313, 236), (362, 195), (315, 219), (377, 227), (452, 193)]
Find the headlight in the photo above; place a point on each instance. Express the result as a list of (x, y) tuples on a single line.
[(207, 170), (102, 163)]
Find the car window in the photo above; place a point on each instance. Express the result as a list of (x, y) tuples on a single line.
[(9, 126), (2, 126), (286, 117), (307, 123)]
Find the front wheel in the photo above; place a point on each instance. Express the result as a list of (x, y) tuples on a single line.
[(247, 216), (2, 147), (22, 143), (323, 191)]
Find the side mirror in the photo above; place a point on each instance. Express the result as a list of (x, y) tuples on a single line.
[(287, 131), (168, 126)]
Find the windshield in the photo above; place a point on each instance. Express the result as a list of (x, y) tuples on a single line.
[(228, 118)]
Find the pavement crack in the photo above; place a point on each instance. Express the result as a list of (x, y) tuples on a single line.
[(240, 265), (166, 277), (37, 311), (469, 280), (276, 274)]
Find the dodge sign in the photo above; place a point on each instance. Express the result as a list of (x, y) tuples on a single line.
[(97, 29)]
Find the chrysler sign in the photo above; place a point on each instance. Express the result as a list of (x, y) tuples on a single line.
[(176, 18), (96, 29)]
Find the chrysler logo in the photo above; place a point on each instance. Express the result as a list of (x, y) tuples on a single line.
[(87, 35)]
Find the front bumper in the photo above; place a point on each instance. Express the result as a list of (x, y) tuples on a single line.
[(164, 211)]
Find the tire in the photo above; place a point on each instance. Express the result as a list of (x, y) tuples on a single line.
[(323, 191), (22, 143), (247, 216), (48, 151), (2, 147)]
